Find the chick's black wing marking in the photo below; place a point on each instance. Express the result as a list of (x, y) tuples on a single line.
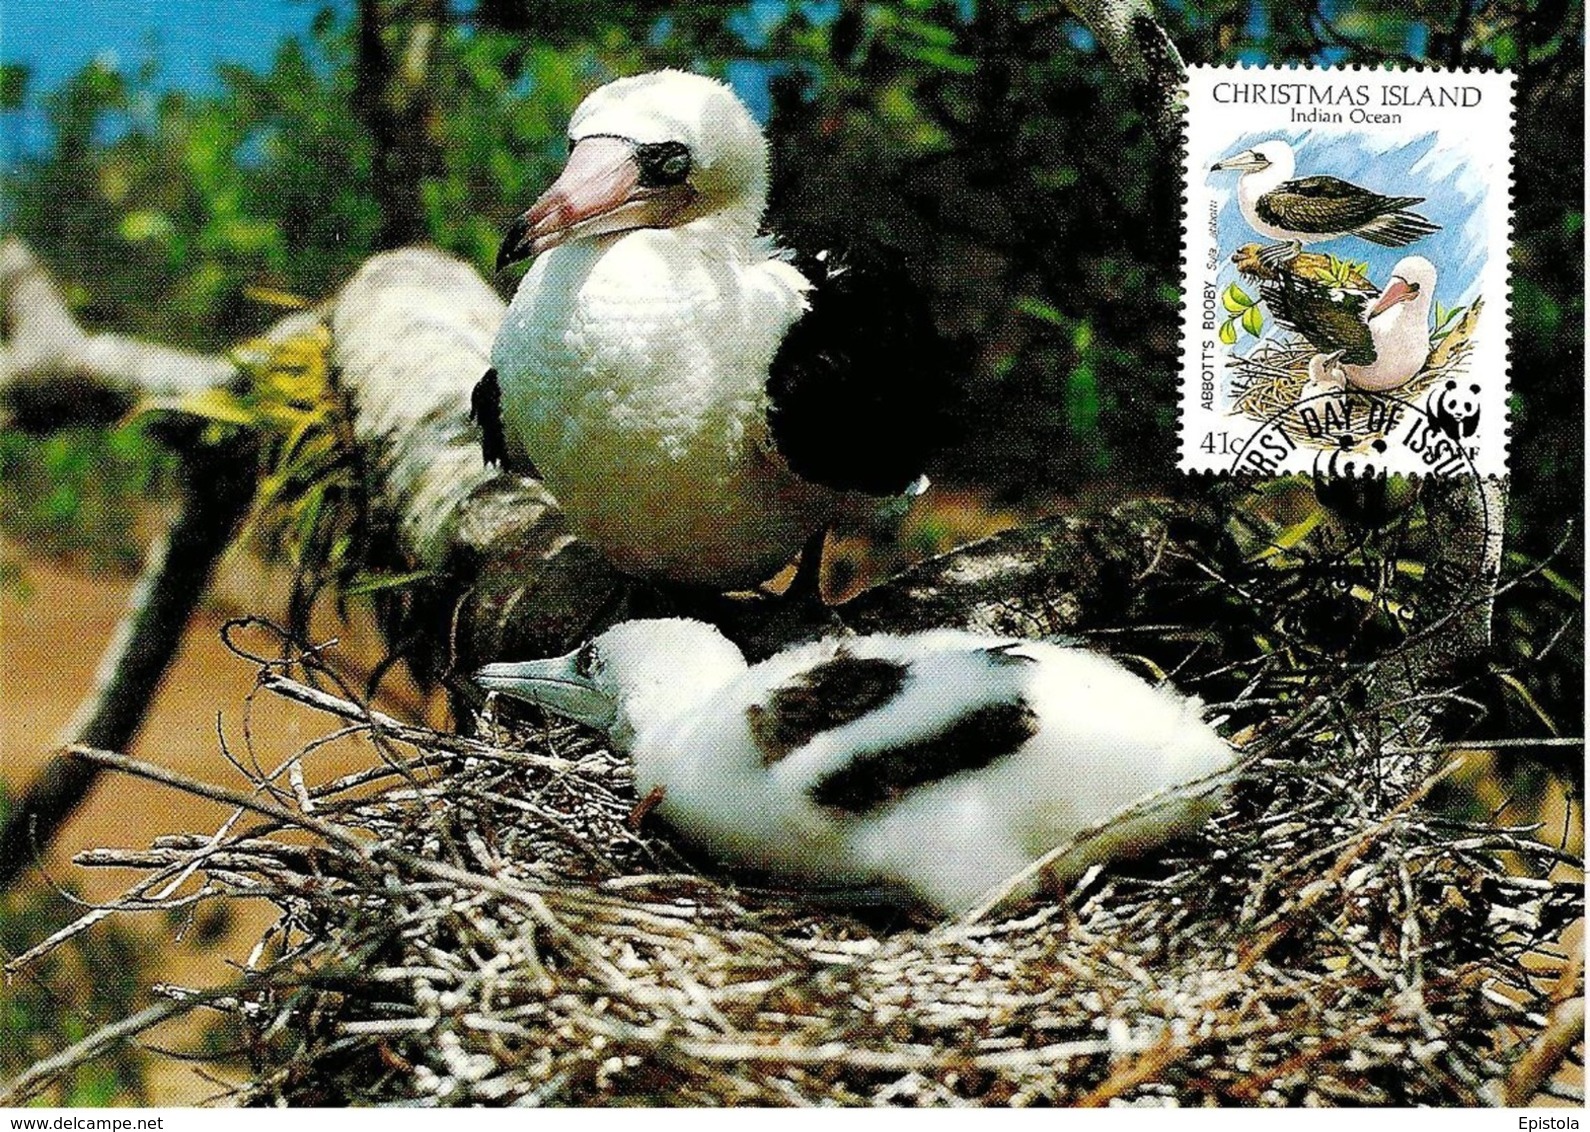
[(863, 390), (970, 742), (825, 696), (1004, 655)]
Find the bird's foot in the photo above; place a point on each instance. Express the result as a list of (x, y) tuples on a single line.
[(1279, 255)]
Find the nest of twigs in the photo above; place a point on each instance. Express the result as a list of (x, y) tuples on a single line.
[(482, 919), (476, 921), (1271, 377)]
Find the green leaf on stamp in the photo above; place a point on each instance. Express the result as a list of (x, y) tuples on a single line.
[(1228, 332), (1253, 321), (1236, 299)]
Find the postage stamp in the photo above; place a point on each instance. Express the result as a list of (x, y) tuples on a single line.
[(1345, 270)]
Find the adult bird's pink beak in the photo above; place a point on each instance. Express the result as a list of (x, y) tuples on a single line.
[(1398, 291), (598, 192)]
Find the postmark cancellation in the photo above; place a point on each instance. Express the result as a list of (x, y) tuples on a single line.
[(1345, 270)]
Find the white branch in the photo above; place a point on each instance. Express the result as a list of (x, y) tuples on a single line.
[(44, 341)]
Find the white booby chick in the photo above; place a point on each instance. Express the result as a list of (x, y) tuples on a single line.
[(1326, 383), (1381, 348), (927, 768), (1307, 210), (700, 402)]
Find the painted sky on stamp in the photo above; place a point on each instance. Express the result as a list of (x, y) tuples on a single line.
[(1451, 174)]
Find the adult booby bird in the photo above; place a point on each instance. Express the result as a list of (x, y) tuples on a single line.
[(1378, 349), (699, 401), (924, 768), (1310, 209)]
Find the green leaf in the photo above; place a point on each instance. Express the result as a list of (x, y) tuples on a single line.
[(146, 224), (1228, 332), (375, 583), (210, 404), (1042, 311), (1235, 299), (1516, 686), (1253, 321)]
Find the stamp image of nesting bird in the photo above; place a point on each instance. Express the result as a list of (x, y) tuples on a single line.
[(1333, 336), (1325, 328), (928, 770), (703, 401)]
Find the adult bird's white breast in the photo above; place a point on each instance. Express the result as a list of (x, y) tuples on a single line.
[(926, 768), (633, 369), (699, 405), (1399, 324)]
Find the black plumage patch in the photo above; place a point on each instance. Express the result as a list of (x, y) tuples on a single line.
[(1324, 205), (1329, 320), (863, 390), (826, 696), (662, 164), (971, 742), (485, 408)]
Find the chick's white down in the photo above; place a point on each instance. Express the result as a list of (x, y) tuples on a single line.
[(899, 795)]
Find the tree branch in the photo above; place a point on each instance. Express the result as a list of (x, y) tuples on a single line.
[(51, 366), (176, 574)]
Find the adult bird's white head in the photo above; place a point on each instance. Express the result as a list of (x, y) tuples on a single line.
[(660, 150), (1273, 156), (1412, 281)]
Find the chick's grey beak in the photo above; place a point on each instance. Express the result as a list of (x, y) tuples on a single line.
[(554, 685)]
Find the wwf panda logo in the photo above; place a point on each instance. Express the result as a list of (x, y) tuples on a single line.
[(1455, 409)]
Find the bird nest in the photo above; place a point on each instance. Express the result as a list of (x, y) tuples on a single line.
[(484, 920), (1271, 377)]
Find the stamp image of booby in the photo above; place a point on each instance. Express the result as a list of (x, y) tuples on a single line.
[(1345, 260)]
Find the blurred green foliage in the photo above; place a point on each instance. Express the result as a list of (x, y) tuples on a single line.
[(76, 493)]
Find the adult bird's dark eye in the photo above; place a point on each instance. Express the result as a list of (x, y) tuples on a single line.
[(663, 163)]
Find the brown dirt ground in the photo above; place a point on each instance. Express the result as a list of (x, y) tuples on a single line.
[(50, 644)]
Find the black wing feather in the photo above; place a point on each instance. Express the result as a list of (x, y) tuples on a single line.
[(876, 778), (1329, 320), (863, 391), (1324, 205), (485, 408), (828, 695)]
